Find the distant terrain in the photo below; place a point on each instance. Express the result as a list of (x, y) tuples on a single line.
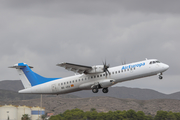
[(118, 98), (117, 92), (59, 104)]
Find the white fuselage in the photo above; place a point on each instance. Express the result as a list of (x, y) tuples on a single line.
[(85, 81)]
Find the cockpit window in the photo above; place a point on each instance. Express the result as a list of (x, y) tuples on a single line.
[(152, 62)]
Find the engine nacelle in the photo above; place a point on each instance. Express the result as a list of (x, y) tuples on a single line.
[(107, 83), (97, 69)]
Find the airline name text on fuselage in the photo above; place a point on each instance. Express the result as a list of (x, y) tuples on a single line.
[(132, 66)]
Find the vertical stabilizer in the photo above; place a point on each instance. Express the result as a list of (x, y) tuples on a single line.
[(28, 77), (24, 79)]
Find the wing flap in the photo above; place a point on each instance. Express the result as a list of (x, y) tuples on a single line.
[(75, 67)]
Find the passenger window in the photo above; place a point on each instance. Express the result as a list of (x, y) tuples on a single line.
[(94, 76), (103, 74), (64, 83), (124, 70), (97, 75), (82, 79), (134, 68), (116, 72), (112, 72), (79, 79), (76, 80), (127, 69), (73, 81), (67, 82), (119, 71), (85, 78), (61, 83), (100, 75), (70, 82)]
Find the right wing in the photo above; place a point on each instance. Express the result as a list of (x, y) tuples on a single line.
[(76, 68)]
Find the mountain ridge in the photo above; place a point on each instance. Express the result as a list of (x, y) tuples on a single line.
[(116, 92), (118, 98)]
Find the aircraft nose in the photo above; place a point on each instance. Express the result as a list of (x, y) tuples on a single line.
[(166, 66)]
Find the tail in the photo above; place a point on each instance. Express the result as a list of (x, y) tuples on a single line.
[(28, 77)]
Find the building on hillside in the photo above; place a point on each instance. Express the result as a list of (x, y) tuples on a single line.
[(48, 115), (36, 113), (12, 112)]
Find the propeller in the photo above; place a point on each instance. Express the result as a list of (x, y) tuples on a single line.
[(105, 68)]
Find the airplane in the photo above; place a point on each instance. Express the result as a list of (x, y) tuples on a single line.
[(89, 77)]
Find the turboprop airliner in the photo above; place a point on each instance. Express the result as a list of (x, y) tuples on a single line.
[(89, 77)]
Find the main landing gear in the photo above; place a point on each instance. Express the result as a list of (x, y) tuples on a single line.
[(95, 90), (104, 90), (97, 86)]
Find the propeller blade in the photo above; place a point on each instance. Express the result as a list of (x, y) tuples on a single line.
[(108, 72), (105, 68)]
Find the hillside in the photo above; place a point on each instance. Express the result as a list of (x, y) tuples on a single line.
[(58, 104), (7, 95), (13, 85), (117, 92), (124, 92), (118, 98)]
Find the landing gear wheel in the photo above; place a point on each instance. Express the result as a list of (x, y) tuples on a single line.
[(160, 77), (95, 90), (105, 90)]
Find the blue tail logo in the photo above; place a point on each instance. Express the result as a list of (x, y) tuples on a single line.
[(33, 77)]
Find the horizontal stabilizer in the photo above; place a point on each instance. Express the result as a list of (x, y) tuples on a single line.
[(20, 65)]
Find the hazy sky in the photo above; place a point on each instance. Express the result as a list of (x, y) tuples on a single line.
[(43, 33)]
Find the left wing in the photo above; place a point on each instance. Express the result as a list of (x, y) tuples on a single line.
[(76, 68)]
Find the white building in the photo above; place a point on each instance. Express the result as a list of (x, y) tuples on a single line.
[(8, 112), (11, 112), (23, 110), (36, 113)]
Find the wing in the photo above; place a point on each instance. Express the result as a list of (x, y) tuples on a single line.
[(76, 68)]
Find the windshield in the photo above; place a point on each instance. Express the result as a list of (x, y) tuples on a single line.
[(152, 62)]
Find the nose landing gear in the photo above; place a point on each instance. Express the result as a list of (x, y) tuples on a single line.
[(160, 77)]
